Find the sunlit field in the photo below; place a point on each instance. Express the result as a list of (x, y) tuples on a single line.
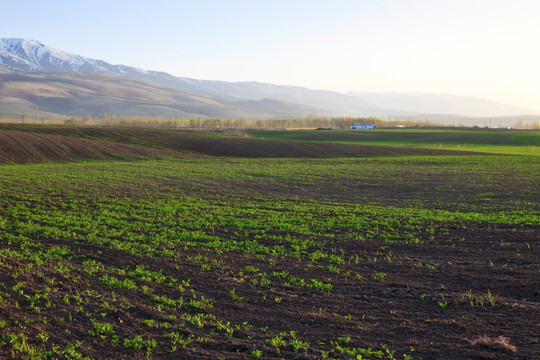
[(394, 244)]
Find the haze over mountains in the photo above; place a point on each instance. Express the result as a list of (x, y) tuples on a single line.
[(34, 74)]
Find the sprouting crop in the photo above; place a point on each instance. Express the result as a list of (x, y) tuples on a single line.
[(261, 258)]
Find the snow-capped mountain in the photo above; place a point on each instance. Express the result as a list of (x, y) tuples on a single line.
[(78, 85), (31, 56), (21, 55)]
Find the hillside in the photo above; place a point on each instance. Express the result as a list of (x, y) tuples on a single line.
[(82, 94), (236, 99), (29, 147), (438, 104), (221, 144)]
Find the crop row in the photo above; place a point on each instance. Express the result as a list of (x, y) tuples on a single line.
[(149, 257)]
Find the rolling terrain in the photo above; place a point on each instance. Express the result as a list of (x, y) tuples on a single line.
[(225, 99), (519, 142), (84, 94), (223, 144), (29, 147), (465, 106), (120, 243)]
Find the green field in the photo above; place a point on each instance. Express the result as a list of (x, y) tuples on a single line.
[(517, 142), (247, 256)]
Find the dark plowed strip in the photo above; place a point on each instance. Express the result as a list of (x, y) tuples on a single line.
[(27, 147)]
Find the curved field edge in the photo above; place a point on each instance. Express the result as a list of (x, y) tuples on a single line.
[(28, 147), (271, 258), (516, 142), (225, 144)]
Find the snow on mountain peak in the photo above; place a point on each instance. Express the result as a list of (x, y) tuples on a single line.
[(33, 55)]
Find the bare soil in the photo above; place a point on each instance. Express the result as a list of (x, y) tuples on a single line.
[(470, 293), (221, 144), (27, 147), (402, 311)]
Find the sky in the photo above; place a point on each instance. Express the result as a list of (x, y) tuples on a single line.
[(481, 48)]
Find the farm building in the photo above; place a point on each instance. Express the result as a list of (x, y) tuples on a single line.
[(362, 126)]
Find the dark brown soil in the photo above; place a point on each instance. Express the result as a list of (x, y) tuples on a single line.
[(403, 311), (221, 144), (27, 147), (472, 292)]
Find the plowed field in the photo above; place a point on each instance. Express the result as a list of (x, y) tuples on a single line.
[(411, 256), (27, 147), (221, 144)]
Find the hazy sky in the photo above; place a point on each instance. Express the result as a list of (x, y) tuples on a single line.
[(483, 48)]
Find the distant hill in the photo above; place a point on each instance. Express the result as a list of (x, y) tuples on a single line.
[(30, 56), (439, 104), (82, 94), (193, 97)]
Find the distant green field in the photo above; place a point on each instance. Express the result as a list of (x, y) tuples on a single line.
[(516, 142)]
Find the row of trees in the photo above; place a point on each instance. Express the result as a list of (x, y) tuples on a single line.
[(308, 122)]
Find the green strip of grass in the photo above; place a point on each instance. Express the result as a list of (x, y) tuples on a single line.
[(490, 141)]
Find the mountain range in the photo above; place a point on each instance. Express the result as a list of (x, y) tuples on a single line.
[(33, 74)]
